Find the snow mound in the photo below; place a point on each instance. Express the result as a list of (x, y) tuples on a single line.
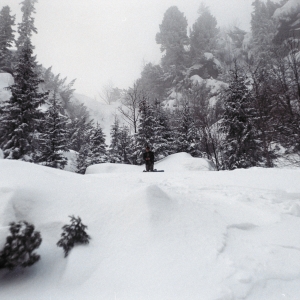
[(184, 162), (113, 168), (173, 163)]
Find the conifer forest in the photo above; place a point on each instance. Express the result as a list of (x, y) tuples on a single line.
[(224, 94)]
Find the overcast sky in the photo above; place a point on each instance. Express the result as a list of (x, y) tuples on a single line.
[(96, 41)]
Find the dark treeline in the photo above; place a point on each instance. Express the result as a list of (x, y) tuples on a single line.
[(227, 95), (40, 122)]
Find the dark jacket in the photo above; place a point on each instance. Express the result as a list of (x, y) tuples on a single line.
[(149, 154)]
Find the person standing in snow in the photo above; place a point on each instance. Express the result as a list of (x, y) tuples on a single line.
[(148, 157)]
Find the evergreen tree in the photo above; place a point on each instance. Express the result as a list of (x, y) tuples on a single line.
[(83, 140), (163, 135), (26, 27), (187, 135), (73, 234), (151, 82), (115, 151), (83, 158), (80, 129), (173, 39), (7, 36), (263, 27), (21, 115), (146, 128), (203, 34), (241, 148), (125, 144), (97, 146), (66, 92), (19, 248), (92, 150), (54, 139)]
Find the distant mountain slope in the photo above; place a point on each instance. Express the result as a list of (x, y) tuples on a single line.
[(100, 112)]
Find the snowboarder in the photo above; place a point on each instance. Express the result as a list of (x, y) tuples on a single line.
[(148, 157)]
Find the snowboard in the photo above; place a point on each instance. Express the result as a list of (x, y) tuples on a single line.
[(154, 171)]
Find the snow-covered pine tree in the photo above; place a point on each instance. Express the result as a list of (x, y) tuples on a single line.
[(242, 147), (173, 38), (73, 234), (80, 130), (54, 139), (151, 82), (146, 129), (163, 136), (19, 248), (187, 134), (7, 36), (115, 151), (263, 27), (98, 153), (92, 150), (26, 27), (203, 36), (83, 157), (84, 143), (125, 142), (21, 115)]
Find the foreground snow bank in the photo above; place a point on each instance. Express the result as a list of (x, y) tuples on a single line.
[(173, 235)]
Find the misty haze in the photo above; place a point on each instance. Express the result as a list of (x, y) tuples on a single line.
[(149, 149)]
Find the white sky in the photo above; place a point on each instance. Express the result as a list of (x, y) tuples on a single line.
[(96, 41)]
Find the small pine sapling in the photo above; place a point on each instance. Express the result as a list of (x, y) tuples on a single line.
[(73, 234), (19, 246)]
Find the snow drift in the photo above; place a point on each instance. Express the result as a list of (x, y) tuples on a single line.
[(181, 234), (173, 163)]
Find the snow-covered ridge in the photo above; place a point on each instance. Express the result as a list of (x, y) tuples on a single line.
[(181, 234)]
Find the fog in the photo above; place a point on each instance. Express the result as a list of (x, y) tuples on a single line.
[(96, 41)]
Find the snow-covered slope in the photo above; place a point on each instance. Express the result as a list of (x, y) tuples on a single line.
[(181, 234), (286, 9), (5, 80), (101, 112)]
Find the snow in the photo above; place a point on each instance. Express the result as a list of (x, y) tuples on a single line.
[(208, 55), (71, 166), (187, 233), (214, 84), (286, 9), (173, 163), (5, 80)]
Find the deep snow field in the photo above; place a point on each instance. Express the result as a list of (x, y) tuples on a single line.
[(187, 233)]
